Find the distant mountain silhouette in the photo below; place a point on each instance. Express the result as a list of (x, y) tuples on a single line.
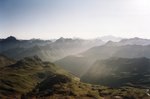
[(10, 39), (131, 41), (45, 49), (12, 43), (136, 41)]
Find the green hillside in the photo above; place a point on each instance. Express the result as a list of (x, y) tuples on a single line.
[(24, 75), (31, 77), (4, 61)]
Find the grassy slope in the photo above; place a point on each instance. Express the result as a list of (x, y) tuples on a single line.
[(31, 78), (4, 61), (23, 76)]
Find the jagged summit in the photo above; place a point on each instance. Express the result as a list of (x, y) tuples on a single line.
[(61, 39), (10, 39)]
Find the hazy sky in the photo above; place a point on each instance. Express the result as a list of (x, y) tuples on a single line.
[(74, 18)]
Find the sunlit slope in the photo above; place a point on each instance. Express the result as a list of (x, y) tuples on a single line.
[(78, 64), (24, 75), (118, 72)]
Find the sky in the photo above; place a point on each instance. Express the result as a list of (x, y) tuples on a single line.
[(47, 19)]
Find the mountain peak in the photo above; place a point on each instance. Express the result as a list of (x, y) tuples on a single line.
[(61, 39), (10, 39), (110, 43)]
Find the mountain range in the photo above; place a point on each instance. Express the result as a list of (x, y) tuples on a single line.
[(68, 68), (45, 49)]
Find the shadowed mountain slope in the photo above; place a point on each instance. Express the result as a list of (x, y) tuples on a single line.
[(116, 72), (82, 61)]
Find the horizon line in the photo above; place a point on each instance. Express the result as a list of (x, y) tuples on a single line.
[(98, 37)]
